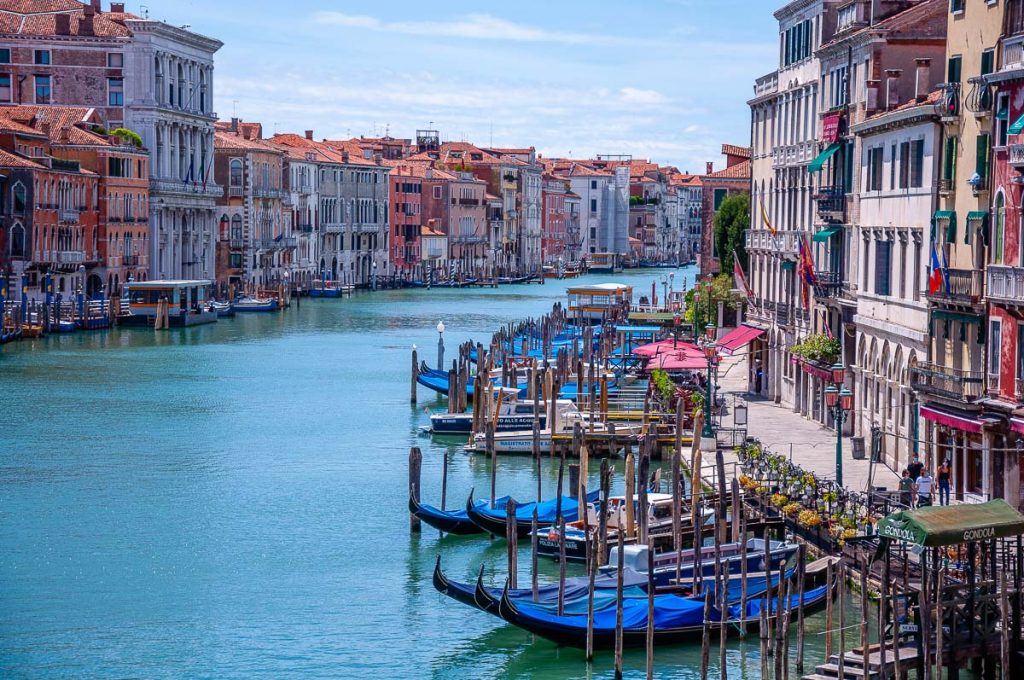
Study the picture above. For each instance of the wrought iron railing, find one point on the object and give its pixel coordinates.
(965, 286)
(951, 383)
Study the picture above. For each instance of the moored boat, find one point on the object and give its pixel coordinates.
(223, 309)
(494, 520)
(249, 304)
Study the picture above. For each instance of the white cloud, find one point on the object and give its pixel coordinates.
(475, 26)
(632, 95)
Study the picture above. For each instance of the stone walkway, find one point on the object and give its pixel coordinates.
(809, 445)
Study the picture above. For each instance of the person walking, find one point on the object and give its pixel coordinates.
(907, 489)
(943, 478)
(924, 489)
(915, 467)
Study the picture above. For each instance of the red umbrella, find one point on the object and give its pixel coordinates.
(661, 346)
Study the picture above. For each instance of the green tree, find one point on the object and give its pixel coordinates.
(704, 311)
(731, 222)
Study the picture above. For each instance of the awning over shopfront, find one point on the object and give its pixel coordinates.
(943, 525)
(950, 419)
(788, 266)
(1017, 425)
(827, 233)
(818, 163)
(740, 337)
(981, 217)
(1017, 127)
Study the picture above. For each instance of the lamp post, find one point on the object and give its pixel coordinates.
(440, 345)
(840, 400)
(664, 291)
(710, 346)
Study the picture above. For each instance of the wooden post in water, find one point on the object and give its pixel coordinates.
(721, 592)
(677, 493)
(453, 391)
(743, 576)
(801, 570)
(494, 461)
(604, 397)
(602, 516)
(415, 464)
(722, 518)
(842, 618)
(591, 573)
(630, 492)
(511, 534)
(645, 463)
(444, 478)
(533, 556)
(705, 642)
(618, 606)
(735, 510)
(768, 588)
(697, 579)
(864, 606)
(415, 372)
(828, 612)
(650, 609)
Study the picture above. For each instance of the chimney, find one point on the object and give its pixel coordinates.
(63, 24)
(309, 135)
(871, 100)
(117, 7)
(344, 156)
(65, 135)
(710, 168)
(892, 84)
(86, 25)
(924, 76)
(378, 158)
(96, 5)
(44, 127)
(234, 125)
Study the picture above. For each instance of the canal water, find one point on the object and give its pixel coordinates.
(229, 501)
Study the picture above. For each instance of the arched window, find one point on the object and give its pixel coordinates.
(202, 90)
(17, 240)
(181, 86)
(1000, 229)
(236, 227)
(19, 198)
(236, 172)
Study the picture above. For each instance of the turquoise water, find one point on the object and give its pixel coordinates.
(229, 501)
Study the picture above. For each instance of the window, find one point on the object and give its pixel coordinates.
(236, 228)
(19, 198)
(883, 267)
(5, 87)
(949, 159)
(917, 163)
(115, 91)
(953, 69)
(1002, 122)
(892, 167)
(956, 6)
(875, 161)
(593, 184)
(593, 205)
(999, 230)
(115, 60)
(17, 241)
(42, 57)
(981, 165)
(5, 55)
(904, 165)
(994, 346)
(42, 89)
(235, 178)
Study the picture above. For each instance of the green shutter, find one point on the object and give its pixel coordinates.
(987, 60)
(981, 165)
(788, 266)
(949, 162)
(953, 71)
(848, 167)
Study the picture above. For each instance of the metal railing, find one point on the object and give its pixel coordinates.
(1016, 154)
(951, 383)
(949, 103)
(69, 215)
(979, 97)
(965, 285)
(830, 284)
(781, 242)
(831, 199)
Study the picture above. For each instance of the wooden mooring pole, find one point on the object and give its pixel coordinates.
(415, 465)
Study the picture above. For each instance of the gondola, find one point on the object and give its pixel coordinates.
(448, 521)
(676, 618)
(438, 381)
(493, 520)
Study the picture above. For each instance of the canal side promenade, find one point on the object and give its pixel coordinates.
(811, 446)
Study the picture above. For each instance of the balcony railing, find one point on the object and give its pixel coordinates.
(966, 286)
(830, 284)
(69, 215)
(831, 200)
(235, 192)
(1005, 284)
(131, 260)
(950, 383)
(949, 103)
(236, 244)
(266, 192)
(1016, 154)
(332, 228)
(781, 242)
(979, 96)
(68, 256)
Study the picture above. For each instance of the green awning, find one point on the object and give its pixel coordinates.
(1017, 127)
(827, 233)
(951, 227)
(980, 216)
(818, 163)
(942, 525)
(943, 315)
(788, 266)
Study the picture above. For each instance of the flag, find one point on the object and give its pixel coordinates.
(741, 280)
(767, 222)
(935, 277)
(806, 264)
(191, 167)
(825, 326)
(945, 272)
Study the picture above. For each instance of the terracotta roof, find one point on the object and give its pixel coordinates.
(931, 100)
(356, 153)
(236, 142)
(12, 160)
(56, 116)
(12, 126)
(492, 197)
(738, 171)
(39, 18)
(427, 231)
(733, 150)
(297, 146)
(925, 19)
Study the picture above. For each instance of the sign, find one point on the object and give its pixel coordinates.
(830, 128)
(908, 628)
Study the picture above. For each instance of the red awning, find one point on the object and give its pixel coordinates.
(738, 338)
(654, 348)
(957, 422)
(677, 361)
(1017, 425)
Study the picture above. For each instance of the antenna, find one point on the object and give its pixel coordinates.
(234, 108)
(145, 11)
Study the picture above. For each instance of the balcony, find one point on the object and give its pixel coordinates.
(266, 192)
(131, 260)
(466, 239)
(979, 96)
(235, 192)
(305, 228)
(949, 383)
(68, 256)
(236, 244)
(1016, 155)
(781, 242)
(1005, 285)
(949, 104)
(831, 200)
(966, 287)
(946, 185)
(69, 215)
(830, 284)
(767, 84)
(332, 228)
(794, 154)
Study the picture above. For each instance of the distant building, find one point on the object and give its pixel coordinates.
(715, 187)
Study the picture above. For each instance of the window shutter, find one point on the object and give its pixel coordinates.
(981, 166)
(953, 72)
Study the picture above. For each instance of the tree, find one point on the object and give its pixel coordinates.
(705, 311)
(731, 222)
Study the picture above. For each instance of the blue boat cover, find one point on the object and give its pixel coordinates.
(545, 509)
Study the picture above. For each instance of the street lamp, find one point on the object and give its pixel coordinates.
(664, 291)
(840, 400)
(708, 442)
(440, 345)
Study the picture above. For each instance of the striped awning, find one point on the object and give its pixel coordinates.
(950, 419)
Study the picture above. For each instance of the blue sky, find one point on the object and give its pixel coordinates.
(660, 79)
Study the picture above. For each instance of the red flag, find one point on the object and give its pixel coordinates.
(741, 279)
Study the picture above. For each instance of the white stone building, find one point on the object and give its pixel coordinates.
(169, 102)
